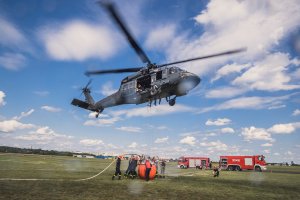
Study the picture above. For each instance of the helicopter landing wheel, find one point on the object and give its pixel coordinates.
(172, 102)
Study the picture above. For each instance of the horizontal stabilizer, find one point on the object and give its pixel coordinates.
(81, 104)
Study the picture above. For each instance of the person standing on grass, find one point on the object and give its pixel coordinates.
(216, 172)
(162, 168)
(118, 166)
(148, 168)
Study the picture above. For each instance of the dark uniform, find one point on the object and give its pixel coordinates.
(118, 171)
(216, 172)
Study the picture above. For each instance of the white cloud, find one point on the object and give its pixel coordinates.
(229, 69)
(267, 145)
(92, 115)
(295, 113)
(153, 111)
(101, 122)
(130, 129)
(276, 154)
(227, 130)
(214, 146)
(190, 140)
(284, 128)
(268, 74)
(133, 145)
(161, 140)
(2, 96)
(247, 103)
(107, 89)
(218, 122)
(225, 92)
(91, 142)
(79, 40)
(254, 133)
(160, 37)
(10, 34)
(51, 109)
(289, 153)
(43, 134)
(24, 114)
(12, 61)
(13, 125)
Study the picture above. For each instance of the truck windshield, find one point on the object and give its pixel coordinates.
(261, 158)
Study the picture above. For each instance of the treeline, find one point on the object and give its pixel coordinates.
(6, 149)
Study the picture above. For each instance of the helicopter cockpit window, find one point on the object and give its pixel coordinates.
(172, 70)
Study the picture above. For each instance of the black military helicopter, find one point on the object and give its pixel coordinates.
(148, 84)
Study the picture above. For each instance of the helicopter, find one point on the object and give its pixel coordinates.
(150, 83)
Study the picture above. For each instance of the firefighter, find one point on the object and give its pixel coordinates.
(148, 168)
(118, 171)
(216, 172)
(162, 168)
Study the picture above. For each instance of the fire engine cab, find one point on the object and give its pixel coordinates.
(197, 162)
(238, 163)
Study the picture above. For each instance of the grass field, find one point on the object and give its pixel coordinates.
(58, 176)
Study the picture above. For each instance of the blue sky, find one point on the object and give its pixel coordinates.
(247, 103)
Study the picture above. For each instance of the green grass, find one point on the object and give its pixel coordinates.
(61, 173)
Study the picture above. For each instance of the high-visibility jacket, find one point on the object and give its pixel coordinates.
(148, 164)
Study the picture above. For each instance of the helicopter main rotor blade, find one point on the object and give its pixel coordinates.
(110, 71)
(204, 57)
(109, 6)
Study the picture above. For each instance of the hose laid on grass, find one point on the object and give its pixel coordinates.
(84, 179)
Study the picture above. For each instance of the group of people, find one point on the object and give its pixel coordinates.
(136, 160)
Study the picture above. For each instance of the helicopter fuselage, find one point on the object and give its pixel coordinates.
(150, 86)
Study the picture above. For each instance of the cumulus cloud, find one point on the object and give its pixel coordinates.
(267, 145)
(284, 128)
(190, 140)
(229, 69)
(215, 146)
(253, 133)
(91, 142)
(51, 109)
(79, 40)
(161, 140)
(218, 122)
(130, 129)
(133, 145)
(227, 130)
(2, 96)
(43, 134)
(295, 113)
(8, 126)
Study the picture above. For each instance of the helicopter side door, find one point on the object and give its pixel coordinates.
(128, 91)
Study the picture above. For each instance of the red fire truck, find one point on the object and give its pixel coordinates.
(197, 162)
(238, 163)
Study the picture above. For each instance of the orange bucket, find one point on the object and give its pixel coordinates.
(142, 171)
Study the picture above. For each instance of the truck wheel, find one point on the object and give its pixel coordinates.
(230, 168)
(257, 169)
(181, 167)
(238, 168)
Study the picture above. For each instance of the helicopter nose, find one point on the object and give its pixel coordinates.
(188, 82)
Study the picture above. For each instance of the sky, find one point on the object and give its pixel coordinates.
(246, 104)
